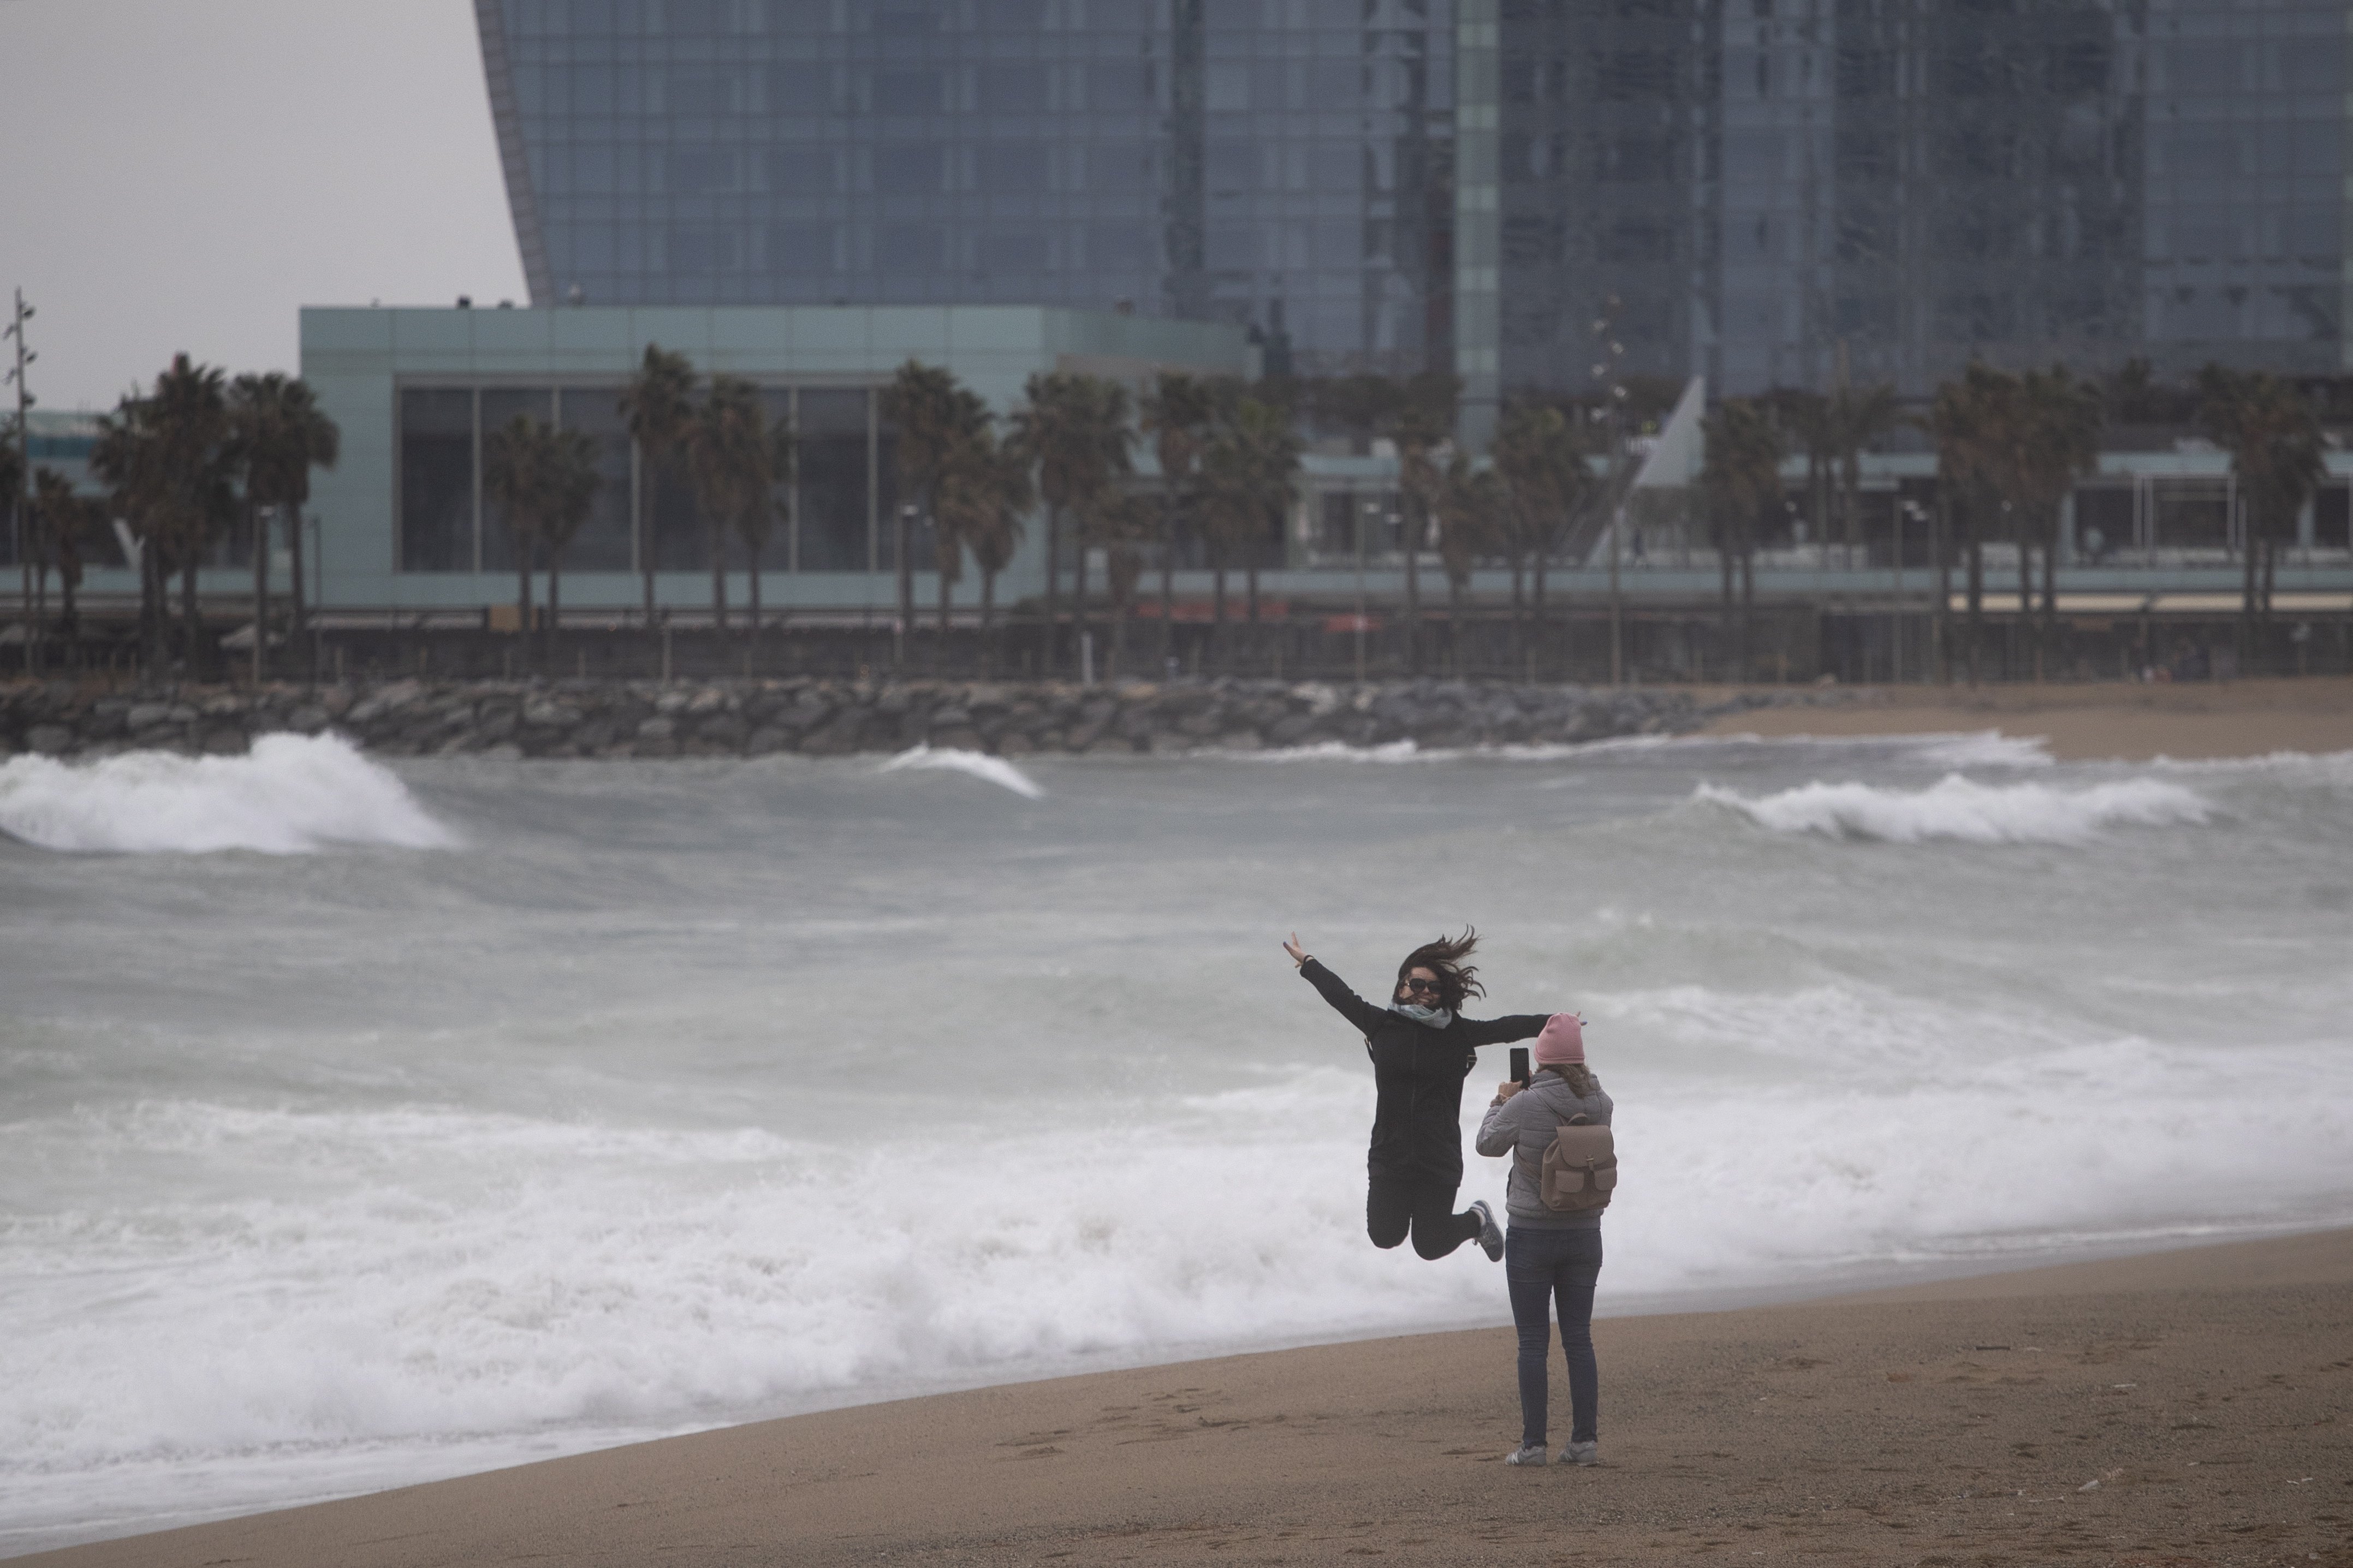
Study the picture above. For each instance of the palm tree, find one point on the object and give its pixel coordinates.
(658, 406)
(2277, 458)
(544, 480)
(1270, 448)
(1741, 479)
(1471, 508)
(167, 457)
(279, 434)
(930, 411)
(1971, 420)
(731, 459)
(1176, 414)
(65, 521)
(1543, 467)
(994, 486)
(2057, 439)
(1125, 523)
(1072, 430)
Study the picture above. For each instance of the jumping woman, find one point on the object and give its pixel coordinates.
(1422, 1048)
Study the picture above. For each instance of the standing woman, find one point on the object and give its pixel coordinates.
(1422, 1048)
(1552, 1255)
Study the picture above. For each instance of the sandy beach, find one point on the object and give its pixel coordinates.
(2090, 722)
(2179, 1409)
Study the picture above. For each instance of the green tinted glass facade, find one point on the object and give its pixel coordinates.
(1285, 164)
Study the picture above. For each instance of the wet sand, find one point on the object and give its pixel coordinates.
(2091, 721)
(2179, 1409)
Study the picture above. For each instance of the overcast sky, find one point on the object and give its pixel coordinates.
(184, 175)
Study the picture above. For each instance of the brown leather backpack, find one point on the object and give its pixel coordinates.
(1580, 1166)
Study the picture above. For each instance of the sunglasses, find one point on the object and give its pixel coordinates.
(1419, 986)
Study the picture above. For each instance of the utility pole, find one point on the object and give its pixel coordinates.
(22, 499)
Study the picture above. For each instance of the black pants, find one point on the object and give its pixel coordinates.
(1399, 1201)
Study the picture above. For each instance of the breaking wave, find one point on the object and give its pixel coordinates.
(289, 796)
(979, 764)
(1962, 809)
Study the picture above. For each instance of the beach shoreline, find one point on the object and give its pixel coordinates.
(2093, 722)
(2182, 1407)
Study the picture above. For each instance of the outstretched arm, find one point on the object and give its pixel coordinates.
(1345, 1002)
(1513, 1026)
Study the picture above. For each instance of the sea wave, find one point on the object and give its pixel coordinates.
(978, 764)
(1962, 809)
(289, 796)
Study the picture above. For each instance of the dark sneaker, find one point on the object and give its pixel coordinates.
(1491, 1234)
(1530, 1454)
(1581, 1454)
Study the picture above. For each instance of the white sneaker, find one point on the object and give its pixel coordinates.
(1528, 1454)
(1491, 1234)
(1581, 1454)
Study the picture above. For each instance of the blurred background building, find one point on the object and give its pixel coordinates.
(1763, 187)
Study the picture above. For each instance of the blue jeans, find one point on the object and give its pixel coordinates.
(1541, 1266)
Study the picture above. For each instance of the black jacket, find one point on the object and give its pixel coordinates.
(1419, 1072)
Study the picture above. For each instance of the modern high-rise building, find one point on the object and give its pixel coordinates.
(1768, 189)
(1286, 165)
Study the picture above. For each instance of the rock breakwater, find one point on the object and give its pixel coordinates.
(830, 718)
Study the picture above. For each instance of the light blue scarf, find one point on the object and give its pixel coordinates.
(1428, 1018)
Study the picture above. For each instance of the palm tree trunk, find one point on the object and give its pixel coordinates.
(752, 594)
(2247, 604)
(523, 602)
(1412, 601)
(1977, 604)
(1536, 606)
(1250, 591)
(1051, 661)
(552, 642)
(257, 518)
(988, 623)
(639, 475)
(1079, 596)
(192, 623)
(2026, 596)
(151, 609)
(1725, 556)
(298, 609)
(947, 589)
(719, 579)
(1519, 612)
(1167, 575)
(1454, 625)
(1119, 639)
(1747, 606)
(1218, 612)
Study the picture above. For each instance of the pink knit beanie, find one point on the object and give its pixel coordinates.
(1563, 1040)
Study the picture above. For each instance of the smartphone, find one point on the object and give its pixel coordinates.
(1520, 1065)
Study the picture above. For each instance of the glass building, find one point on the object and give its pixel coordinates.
(1766, 186)
(1285, 164)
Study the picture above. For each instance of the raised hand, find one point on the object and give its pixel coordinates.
(1298, 953)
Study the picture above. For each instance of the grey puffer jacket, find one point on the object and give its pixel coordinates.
(1523, 1127)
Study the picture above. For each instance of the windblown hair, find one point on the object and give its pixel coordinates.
(1443, 957)
(1582, 1083)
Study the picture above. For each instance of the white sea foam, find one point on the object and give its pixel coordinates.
(290, 794)
(979, 764)
(1961, 809)
(421, 1278)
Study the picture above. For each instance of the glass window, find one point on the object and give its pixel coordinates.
(500, 406)
(910, 168)
(802, 247)
(603, 542)
(907, 247)
(804, 171)
(1012, 167)
(906, 92)
(437, 481)
(833, 481)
